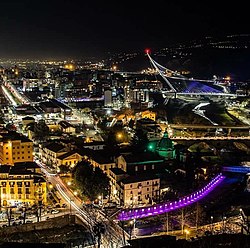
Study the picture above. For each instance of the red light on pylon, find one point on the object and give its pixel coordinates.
(147, 51)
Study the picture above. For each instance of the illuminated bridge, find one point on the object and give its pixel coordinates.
(137, 213)
(177, 84)
(237, 169)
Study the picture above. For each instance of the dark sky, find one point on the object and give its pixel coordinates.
(64, 29)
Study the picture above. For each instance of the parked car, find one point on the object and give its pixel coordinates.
(54, 211)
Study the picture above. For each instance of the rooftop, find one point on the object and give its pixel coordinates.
(139, 178)
(67, 154)
(55, 147)
(146, 157)
(65, 124)
(118, 171)
(12, 135)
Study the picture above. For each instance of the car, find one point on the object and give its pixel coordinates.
(54, 211)
(29, 221)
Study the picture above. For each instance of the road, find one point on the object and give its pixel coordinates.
(197, 110)
(113, 236)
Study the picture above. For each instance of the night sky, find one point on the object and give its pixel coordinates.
(80, 29)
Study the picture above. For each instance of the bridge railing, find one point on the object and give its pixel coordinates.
(157, 209)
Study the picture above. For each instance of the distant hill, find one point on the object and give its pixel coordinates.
(221, 56)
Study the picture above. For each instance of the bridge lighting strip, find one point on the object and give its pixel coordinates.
(237, 169)
(144, 212)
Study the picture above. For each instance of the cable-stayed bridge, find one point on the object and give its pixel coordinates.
(178, 84)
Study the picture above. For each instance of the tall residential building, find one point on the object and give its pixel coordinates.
(139, 190)
(15, 148)
(107, 97)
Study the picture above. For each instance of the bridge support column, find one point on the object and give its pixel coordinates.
(229, 132)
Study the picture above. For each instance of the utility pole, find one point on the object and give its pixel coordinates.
(167, 223)
(9, 214)
(0, 198)
(182, 220)
(123, 233)
(197, 215)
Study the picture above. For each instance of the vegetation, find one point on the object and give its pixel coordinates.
(91, 181)
(41, 130)
(140, 140)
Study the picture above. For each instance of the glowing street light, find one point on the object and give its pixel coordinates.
(132, 224)
(100, 200)
(186, 232)
(119, 135)
(212, 218)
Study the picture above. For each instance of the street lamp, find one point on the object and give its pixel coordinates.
(115, 194)
(70, 200)
(240, 209)
(50, 186)
(100, 198)
(186, 232)
(212, 224)
(132, 225)
(224, 224)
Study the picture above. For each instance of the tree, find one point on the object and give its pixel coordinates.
(140, 140)
(41, 130)
(91, 181)
(64, 169)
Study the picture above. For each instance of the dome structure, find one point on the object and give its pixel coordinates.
(165, 147)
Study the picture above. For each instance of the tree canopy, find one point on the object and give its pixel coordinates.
(140, 140)
(41, 130)
(92, 181)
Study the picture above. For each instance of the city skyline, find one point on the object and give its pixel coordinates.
(59, 29)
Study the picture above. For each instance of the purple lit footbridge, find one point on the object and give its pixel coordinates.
(179, 85)
(157, 209)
